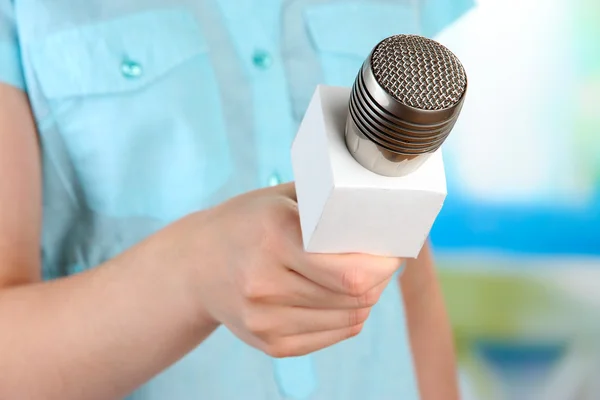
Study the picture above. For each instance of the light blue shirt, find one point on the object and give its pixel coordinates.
(150, 109)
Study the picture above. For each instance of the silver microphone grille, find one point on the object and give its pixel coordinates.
(419, 72)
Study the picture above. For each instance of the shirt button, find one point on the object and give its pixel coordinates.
(262, 59)
(131, 69)
(274, 180)
(75, 269)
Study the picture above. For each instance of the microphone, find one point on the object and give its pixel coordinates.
(404, 103)
(367, 159)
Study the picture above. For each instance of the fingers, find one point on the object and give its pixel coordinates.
(306, 320)
(301, 292)
(288, 288)
(300, 345)
(269, 322)
(349, 274)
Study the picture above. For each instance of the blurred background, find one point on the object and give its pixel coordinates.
(518, 240)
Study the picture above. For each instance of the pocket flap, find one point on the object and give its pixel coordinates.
(116, 56)
(355, 28)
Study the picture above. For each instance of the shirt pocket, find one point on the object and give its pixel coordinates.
(344, 33)
(137, 106)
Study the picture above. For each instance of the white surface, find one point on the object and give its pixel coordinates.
(345, 208)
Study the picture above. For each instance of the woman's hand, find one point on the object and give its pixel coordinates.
(256, 279)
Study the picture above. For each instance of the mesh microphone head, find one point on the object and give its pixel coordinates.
(408, 95)
(419, 72)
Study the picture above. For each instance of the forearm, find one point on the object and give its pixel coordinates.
(99, 334)
(429, 329)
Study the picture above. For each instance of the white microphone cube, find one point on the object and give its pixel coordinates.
(346, 208)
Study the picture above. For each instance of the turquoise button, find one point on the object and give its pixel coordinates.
(131, 69)
(76, 269)
(262, 59)
(274, 180)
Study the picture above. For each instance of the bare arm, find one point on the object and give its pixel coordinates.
(143, 319)
(20, 192)
(429, 329)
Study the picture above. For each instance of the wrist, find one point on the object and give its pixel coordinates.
(182, 263)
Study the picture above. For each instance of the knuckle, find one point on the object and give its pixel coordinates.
(369, 299)
(352, 317)
(277, 219)
(252, 289)
(390, 265)
(291, 212)
(247, 318)
(270, 239)
(260, 330)
(265, 235)
(358, 316)
(355, 282)
(354, 330)
(259, 226)
(362, 315)
(284, 203)
(256, 324)
(285, 215)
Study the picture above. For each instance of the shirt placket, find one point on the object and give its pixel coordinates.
(260, 57)
(273, 126)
